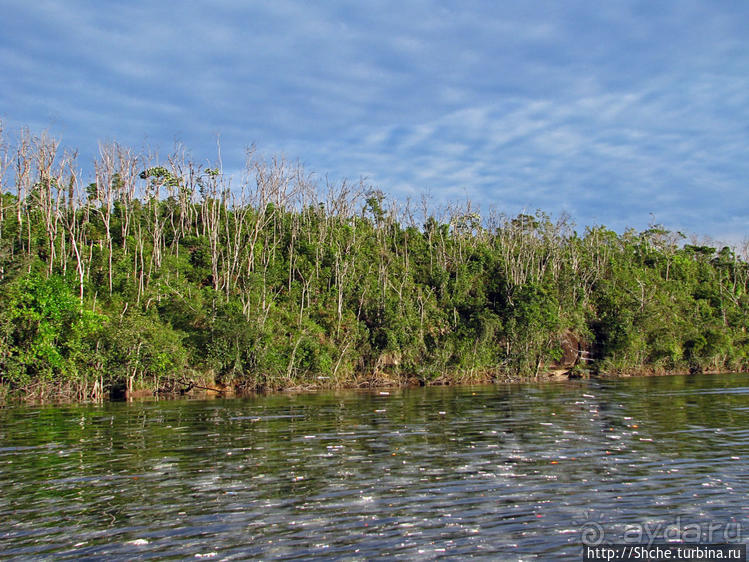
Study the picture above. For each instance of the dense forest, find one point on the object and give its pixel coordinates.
(142, 272)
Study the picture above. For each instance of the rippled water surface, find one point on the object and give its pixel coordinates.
(508, 472)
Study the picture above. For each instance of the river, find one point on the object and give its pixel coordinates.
(520, 471)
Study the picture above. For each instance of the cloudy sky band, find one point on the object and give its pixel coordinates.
(614, 112)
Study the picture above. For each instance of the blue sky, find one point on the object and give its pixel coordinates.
(616, 112)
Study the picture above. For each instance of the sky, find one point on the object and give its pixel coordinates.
(619, 113)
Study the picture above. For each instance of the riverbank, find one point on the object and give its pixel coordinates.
(207, 388)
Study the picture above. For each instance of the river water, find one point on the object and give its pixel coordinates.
(506, 472)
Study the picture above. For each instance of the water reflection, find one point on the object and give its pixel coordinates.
(510, 471)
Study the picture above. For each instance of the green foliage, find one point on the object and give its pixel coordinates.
(142, 278)
(46, 334)
(140, 349)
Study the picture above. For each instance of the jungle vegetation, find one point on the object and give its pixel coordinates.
(148, 272)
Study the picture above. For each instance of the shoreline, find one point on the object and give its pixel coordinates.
(201, 392)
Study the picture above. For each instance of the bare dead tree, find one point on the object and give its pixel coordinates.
(46, 190)
(71, 220)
